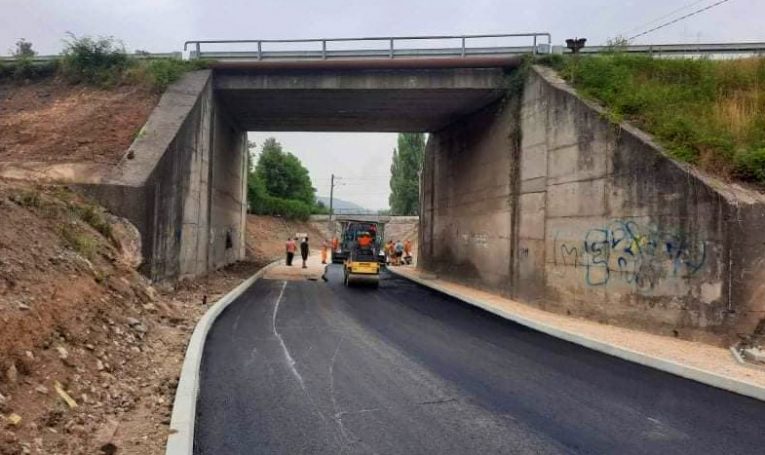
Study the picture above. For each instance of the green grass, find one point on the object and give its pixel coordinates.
(79, 241)
(95, 217)
(707, 112)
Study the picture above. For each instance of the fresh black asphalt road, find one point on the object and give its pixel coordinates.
(305, 367)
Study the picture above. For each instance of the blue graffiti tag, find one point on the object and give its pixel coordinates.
(639, 253)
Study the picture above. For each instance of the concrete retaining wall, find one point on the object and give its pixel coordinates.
(576, 215)
(182, 183)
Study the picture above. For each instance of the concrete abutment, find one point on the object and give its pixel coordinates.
(580, 216)
(183, 183)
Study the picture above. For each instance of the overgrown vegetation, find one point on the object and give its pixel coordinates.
(98, 61)
(279, 185)
(160, 73)
(707, 112)
(102, 62)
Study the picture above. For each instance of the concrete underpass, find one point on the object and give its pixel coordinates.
(529, 193)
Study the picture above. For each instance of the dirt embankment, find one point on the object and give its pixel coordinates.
(90, 352)
(266, 236)
(55, 122)
(402, 228)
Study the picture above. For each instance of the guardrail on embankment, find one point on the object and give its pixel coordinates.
(406, 47)
(698, 49)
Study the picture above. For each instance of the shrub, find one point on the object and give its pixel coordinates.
(160, 73)
(26, 69)
(99, 61)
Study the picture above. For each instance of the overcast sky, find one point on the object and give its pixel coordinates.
(163, 25)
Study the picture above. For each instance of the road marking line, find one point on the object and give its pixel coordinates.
(290, 360)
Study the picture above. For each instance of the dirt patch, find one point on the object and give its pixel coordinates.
(266, 236)
(52, 121)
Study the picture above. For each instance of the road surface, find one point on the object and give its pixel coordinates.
(310, 367)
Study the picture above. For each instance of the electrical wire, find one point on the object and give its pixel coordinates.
(674, 21)
(661, 18)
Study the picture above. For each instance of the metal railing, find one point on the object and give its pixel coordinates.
(539, 43)
(681, 49)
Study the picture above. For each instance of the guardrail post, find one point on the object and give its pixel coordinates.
(463, 46)
(260, 51)
(391, 48)
(199, 53)
(324, 49)
(534, 51)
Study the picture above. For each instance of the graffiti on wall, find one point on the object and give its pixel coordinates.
(641, 255)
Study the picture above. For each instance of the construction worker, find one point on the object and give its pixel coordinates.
(324, 248)
(304, 251)
(290, 247)
(335, 243)
(399, 251)
(364, 240)
(408, 251)
(389, 252)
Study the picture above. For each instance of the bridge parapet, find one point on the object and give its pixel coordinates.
(390, 47)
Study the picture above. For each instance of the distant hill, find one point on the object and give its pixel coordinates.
(340, 204)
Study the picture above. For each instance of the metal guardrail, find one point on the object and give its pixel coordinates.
(138, 56)
(680, 49)
(540, 42)
(390, 51)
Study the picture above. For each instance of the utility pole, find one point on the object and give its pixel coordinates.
(331, 197)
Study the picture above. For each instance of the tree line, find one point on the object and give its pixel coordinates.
(279, 184)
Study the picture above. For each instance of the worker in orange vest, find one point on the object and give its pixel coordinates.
(364, 240)
(335, 243)
(324, 248)
(389, 252)
(408, 251)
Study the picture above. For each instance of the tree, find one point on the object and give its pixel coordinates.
(279, 184)
(405, 174)
(24, 49)
(283, 175)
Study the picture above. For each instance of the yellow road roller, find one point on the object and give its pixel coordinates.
(362, 265)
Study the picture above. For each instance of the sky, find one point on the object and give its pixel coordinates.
(163, 26)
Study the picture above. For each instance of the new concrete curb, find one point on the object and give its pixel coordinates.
(685, 371)
(181, 438)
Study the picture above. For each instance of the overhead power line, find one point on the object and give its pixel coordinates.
(674, 21)
(661, 18)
